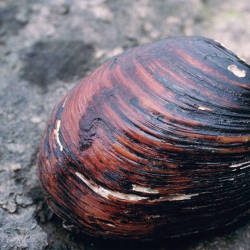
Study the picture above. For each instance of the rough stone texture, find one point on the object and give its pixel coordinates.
(45, 48)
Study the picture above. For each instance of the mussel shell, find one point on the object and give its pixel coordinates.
(154, 143)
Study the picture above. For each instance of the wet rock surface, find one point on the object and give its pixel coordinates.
(45, 48)
(45, 62)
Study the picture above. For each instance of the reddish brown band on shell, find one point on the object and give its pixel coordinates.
(154, 142)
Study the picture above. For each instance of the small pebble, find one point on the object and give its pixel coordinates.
(36, 119)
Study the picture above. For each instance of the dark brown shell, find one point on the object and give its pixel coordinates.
(155, 142)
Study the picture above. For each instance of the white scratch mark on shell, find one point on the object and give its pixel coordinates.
(242, 164)
(153, 216)
(177, 197)
(204, 108)
(111, 225)
(144, 189)
(65, 101)
(56, 133)
(106, 193)
(236, 71)
(182, 197)
(247, 166)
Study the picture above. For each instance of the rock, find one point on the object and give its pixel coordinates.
(46, 47)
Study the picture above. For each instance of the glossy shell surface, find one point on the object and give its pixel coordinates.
(154, 143)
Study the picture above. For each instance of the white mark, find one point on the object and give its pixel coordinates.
(247, 166)
(178, 197)
(102, 12)
(144, 189)
(65, 101)
(111, 225)
(153, 216)
(99, 53)
(240, 174)
(240, 165)
(204, 108)
(236, 71)
(56, 133)
(182, 197)
(109, 193)
(36, 119)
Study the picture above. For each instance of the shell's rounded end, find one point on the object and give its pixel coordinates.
(154, 143)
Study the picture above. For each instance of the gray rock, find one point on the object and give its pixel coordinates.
(45, 48)
(46, 62)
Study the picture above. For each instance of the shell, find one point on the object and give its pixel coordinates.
(153, 143)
